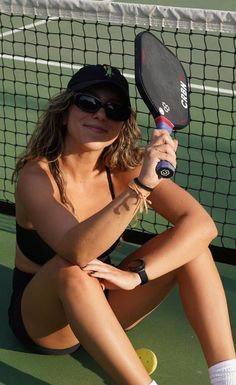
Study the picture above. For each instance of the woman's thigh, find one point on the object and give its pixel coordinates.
(130, 307)
(42, 311)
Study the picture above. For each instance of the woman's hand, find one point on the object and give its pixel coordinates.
(112, 277)
(161, 147)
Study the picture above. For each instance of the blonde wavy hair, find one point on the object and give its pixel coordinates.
(47, 142)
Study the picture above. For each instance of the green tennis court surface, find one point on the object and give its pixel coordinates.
(165, 331)
(37, 57)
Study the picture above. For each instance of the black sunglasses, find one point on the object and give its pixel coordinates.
(114, 111)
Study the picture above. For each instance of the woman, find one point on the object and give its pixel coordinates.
(80, 183)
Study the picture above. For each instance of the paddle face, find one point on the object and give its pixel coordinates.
(161, 80)
(162, 83)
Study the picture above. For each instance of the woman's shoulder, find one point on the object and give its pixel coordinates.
(32, 185)
(33, 177)
(34, 169)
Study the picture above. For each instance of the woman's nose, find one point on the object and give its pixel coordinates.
(100, 114)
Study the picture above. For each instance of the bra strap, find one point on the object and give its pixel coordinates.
(109, 179)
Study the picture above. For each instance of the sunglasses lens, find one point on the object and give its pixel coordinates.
(117, 112)
(87, 103)
(114, 111)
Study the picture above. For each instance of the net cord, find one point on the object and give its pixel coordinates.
(139, 14)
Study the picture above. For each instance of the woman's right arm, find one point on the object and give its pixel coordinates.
(58, 227)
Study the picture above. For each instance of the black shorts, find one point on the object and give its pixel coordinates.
(20, 281)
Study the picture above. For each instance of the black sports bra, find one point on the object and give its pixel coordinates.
(36, 250)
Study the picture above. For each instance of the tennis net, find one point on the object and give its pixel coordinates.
(42, 45)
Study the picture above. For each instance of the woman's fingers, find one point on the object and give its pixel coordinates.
(111, 276)
(161, 147)
(96, 265)
(160, 137)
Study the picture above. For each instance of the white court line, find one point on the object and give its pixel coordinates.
(222, 91)
(218, 90)
(24, 27)
(215, 90)
(39, 61)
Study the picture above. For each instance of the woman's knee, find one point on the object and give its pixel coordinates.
(64, 275)
(71, 277)
(199, 263)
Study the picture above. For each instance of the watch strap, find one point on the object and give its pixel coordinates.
(143, 276)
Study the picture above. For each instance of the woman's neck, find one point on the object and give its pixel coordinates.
(80, 166)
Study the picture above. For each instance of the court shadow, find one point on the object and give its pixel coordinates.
(13, 376)
(7, 339)
(7, 223)
(229, 284)
(8, 374)
(89, 363)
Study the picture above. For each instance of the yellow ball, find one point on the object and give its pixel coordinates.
(148, 359)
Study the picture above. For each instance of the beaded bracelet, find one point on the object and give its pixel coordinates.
(140, 184)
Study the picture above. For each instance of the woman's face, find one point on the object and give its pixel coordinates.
(93, 131)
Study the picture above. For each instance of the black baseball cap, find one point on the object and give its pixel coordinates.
(92, 75)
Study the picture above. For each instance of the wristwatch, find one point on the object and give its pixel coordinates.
(138, 266)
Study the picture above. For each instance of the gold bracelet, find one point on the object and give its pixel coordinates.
(142, 196)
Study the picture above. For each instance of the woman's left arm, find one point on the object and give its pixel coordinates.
(193, 230)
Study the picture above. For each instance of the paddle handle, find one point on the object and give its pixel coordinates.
(164, 169)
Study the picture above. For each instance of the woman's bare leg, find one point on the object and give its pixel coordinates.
(77, 299)
(203, 298)
(205, 304)
(61, 295)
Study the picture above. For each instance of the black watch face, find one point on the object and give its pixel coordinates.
(136, 265)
